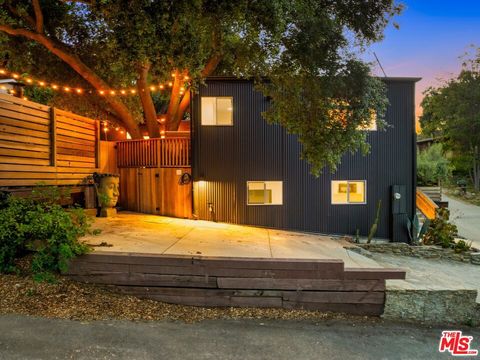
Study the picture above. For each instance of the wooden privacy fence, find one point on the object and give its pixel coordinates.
(168, 152)
(42, 144)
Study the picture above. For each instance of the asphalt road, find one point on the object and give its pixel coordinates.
(466, 217)
(24, 337)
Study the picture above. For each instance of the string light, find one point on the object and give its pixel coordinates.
(79, 91)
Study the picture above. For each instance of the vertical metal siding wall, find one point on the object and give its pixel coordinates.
(226, 157)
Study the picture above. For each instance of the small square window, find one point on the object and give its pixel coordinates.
(265, 192)
(349, 192)
(217, 111)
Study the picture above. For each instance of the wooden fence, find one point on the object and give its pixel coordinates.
(169, 152)
(41, 144)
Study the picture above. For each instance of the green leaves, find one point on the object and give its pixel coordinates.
(38, 224)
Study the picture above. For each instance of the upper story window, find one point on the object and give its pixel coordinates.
(265, 192)
(372, 125)
(349, 192)
(217, 111)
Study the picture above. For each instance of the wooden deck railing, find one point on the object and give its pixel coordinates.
(426, 205)
(168, 152)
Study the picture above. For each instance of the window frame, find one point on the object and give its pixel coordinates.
(216, 98)
(348, 192)
(264, 188)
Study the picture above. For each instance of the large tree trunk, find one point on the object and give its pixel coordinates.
(147, 102)
(476, 168)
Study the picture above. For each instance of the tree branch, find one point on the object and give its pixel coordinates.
(60, 50)
(38, 16)
(147, 102)
(211, 65)
(27, 18)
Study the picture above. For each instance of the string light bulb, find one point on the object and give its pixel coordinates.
(133, 91)
(2, 71)
(161, 86)
(54, 86)
(41, 83)
(29, 80)
(170, 83)
(79, 91)
(102, 92)
(123, 92)
(66, 88)
(15, 76)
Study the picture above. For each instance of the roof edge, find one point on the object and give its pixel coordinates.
(387, 79)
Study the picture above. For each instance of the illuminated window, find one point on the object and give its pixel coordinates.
(349, 192)
(217, 111)
(265, 192)
(372, 125)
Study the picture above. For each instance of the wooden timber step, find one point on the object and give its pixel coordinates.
(311, 284)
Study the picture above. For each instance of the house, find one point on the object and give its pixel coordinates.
(249, 172)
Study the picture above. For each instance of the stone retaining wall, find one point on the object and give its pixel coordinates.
(427, 252)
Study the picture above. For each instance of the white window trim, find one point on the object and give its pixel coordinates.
(264, 185)
(215, 97)
(348, 193)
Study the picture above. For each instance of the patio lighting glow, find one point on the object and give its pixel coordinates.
(170, 83)
(67, 89)
(101, 92)
(41, 83)
(123, 92)
(112, 92)
(54, 87)
(29, 80)
(2, 71)
(79, 91)
(15, 76)
(152, 88)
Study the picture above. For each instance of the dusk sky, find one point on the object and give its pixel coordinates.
(432, 37)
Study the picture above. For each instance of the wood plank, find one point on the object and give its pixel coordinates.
(75, 128)
(22, 102)
(76, 135)
(74, 140)
(66, 163)
(24, 124)
(64, 146)
(27, 168)
(71, 115)
(24, 153)
(301, 284)
(26, 161)
(22, 146)
(75, 152)
(24, 139)
(90, 160)
(21, 131)
(42, 114)
(39, 175)
(80, 124)
(343, 297)
(37, 182)
(22, 116)
(53, 136)
(374, 273)
(354, 309)
(139, 279)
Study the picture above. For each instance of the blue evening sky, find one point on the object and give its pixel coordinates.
(432, 37)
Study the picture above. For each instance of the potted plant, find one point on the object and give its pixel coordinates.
(107, 188)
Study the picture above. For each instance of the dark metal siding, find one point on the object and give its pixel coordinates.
(227, 157)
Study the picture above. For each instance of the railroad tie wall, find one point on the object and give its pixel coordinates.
(323, 285)
(41, 144)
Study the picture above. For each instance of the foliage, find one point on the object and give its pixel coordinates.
(415, 232)
(451, 113)
(38, 223)
(374, 227)
(432, 166)
(309, 51)
(441, 231)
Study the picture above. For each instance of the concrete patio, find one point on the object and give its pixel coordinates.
(140, 233)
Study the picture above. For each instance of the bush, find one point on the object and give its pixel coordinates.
(441, 231)
(38, 223)
(432, 166)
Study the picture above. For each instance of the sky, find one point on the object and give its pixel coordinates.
(432, 37)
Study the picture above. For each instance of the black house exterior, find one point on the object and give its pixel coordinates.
(246, 171)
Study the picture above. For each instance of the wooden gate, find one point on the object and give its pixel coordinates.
(150, 176)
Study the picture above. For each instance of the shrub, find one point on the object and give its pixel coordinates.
(441, 231)
(432, 166)
(38, 223)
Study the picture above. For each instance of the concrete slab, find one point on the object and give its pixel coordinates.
(141, 233)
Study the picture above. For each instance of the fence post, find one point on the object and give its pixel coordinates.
(53, 137)
(97, 144)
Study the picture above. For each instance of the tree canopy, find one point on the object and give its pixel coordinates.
(452, 112)
(305, 48)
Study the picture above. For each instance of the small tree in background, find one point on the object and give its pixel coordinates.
(452, 111)
(432, 166)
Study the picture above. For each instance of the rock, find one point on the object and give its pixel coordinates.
(475, 258)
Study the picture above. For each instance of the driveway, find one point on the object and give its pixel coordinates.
(37, 338)
(466, 217)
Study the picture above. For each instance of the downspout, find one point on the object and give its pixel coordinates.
(192, 153)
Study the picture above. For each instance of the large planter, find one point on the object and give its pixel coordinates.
(107, 186)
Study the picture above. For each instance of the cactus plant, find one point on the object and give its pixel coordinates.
(374, 227)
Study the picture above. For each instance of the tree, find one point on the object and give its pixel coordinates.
(301, 46)
(432, 166)
(452, 112)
